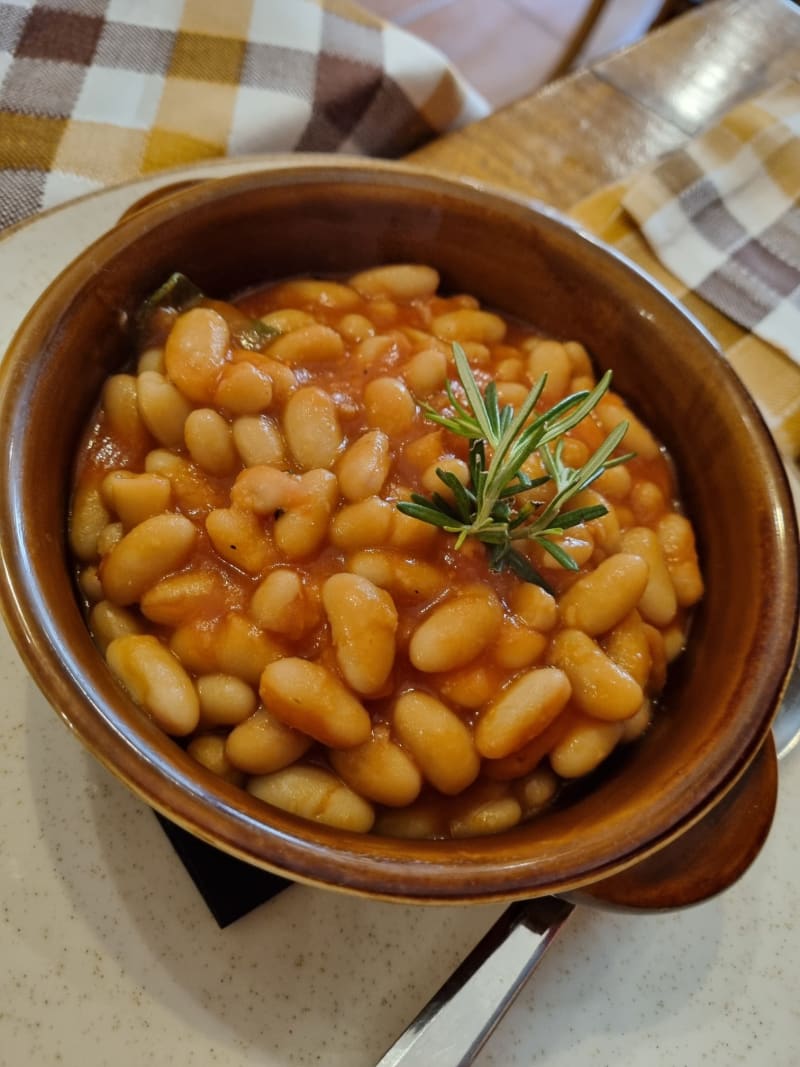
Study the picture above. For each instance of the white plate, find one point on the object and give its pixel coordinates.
(109, 954)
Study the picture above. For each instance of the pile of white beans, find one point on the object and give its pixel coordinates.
(255, 589)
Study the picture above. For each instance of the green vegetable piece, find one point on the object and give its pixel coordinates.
(178, 293)
(255, 336)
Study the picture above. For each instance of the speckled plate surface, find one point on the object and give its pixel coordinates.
(110, 954)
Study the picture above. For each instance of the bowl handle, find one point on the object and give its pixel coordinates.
(704, 860)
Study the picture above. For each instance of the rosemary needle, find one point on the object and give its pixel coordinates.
(490, 507)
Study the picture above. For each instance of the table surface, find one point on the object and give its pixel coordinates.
(109, 954)
(576, 135)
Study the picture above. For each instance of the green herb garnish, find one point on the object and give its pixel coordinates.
(179, 294)
(255, 335)
(489, 508)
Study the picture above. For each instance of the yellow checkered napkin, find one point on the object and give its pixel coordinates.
(723, 215)
(94, 92)
(771, 377)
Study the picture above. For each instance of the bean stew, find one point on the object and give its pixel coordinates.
(255, 587)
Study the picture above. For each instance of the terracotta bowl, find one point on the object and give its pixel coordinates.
(332, 216)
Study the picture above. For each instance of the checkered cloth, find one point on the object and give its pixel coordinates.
(94, 92)
(723, 215)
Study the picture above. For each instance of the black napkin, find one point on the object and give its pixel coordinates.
(230, 887)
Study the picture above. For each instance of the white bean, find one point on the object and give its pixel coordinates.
(311, 427)
(535, 606)
(225, 700)
(535, 790)
(258, 440)
(156, 680)
(363, 468)
(601, 599)
(363, 622)
(181, 597)
(89, 583)
(426, 372)
(361, 525)
(109, 621)
(322, 291)
(490, 809)
(151, 359)
(146, 554)
(284, 320)
(469, 324)
(240, 538)
(309, 698)
(121, 406)
(210, 443)
(109, 537)
(308, 345)
(677, 542)
(163, 408)
(389, 405)
(301, 530)
(355, 327)
(240, 647)
(244, 388)
(627, 645)
(314, 793)
(401, 577)
(196, 351)
(209, 751)
(379, 770)
(262, 744)
(585, 745)
(456, 631)
(398, 281)
(599, 686)
(282, 605)
(522, 711)
(439, 741)
(88, 518)
(136, 497)
(637, 437)
(550, 358)
(432, 483)
(658, 603)
(264, 490)
(517, 645)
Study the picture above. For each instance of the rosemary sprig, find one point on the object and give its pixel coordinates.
(501, 441)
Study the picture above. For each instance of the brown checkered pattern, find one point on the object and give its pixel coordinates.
(94, 92)
(723, 215)
(771, 378)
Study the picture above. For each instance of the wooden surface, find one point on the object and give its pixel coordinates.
(574, 144)
(576, 135)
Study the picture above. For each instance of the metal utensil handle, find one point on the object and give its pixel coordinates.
(453, 1027)
(786, 727)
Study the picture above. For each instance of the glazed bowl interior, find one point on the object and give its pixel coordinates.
(336, 217)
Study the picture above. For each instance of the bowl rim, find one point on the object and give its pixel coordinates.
(175, 794)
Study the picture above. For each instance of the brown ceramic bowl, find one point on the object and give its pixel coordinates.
(339, 216)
